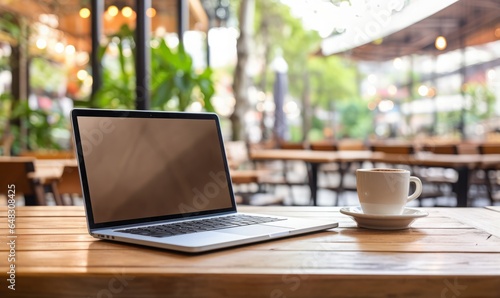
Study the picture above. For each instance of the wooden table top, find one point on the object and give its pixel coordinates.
(50, 169)
(452, 252)
(45, 169)
(421, 159)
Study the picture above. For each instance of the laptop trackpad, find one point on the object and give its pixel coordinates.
(254, 230)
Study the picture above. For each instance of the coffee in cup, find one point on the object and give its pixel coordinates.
(385, 191)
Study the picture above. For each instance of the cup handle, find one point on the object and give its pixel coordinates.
(418, 189)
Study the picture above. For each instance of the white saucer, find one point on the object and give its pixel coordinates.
(384, 222)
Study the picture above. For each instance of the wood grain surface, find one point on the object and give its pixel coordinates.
(454, 252)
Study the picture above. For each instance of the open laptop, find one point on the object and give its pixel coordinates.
(161, 179)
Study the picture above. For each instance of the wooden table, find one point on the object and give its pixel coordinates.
(50, 169)
(44, 168)
(313, 160)
(454, 252)
(462, 163)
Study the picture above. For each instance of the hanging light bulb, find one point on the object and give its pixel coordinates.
(84, 13)
(112, 11)
(151, 12)
(127, 12)
(441, 43)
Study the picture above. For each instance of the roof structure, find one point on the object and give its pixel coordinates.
(76, 29)
(413, 29)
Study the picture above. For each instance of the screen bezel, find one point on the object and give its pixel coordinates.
(76, 113)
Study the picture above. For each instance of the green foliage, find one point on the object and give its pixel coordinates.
(295, 133)
(46, 75)
(356, 120)
(175, 84)
(315, 135)
(5, 112)
(9, 25)
(482, 101)
(331, 80)
(41, 126)
(174, 77)
(118, 77)
(277, 29)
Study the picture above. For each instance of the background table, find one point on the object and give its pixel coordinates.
(462, 163)
(454, 249)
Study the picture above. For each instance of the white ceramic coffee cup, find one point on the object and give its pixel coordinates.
(385, 191)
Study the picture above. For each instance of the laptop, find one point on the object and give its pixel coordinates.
(161, 179)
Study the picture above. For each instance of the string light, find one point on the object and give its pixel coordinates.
(151, 12)
(127, 12)
(82, 74)
(497, 32)
(41, 43)
(441, 43)
(59, 47)
(423, 90)
(70, 50)
(112, 11)
(84, 13)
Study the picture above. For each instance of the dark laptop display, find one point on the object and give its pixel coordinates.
(138, 168)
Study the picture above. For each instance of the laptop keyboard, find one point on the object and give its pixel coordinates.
(200, 225)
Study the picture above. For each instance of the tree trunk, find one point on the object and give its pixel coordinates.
(241, 80)
(306, 107)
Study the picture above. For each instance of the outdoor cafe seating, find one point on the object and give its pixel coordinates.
(308, 98)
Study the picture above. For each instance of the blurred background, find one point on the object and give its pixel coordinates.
(275, 71)
(293, 70)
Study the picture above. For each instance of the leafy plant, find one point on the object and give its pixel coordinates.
(5, 112)
(356, 119)
(118, 77)
(173, 77)
(41, 125)
(482, 101)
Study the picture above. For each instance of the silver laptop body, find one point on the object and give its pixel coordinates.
(161, 179)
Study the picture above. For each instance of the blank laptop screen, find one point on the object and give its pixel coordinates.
(149, 167)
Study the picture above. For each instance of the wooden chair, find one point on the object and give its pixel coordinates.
(289, 169)
(491, 177)
(323, 146)
(331, 171)
(397, 149)
(393, 149)
(351, 145)
(489, 148)
(441, 148)
(237, 155)
(279, 172)
(340, 177)
(248, 174)
(68, 183)
(442, 179)
(292, 145)
(431, 185)
(17, 172)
